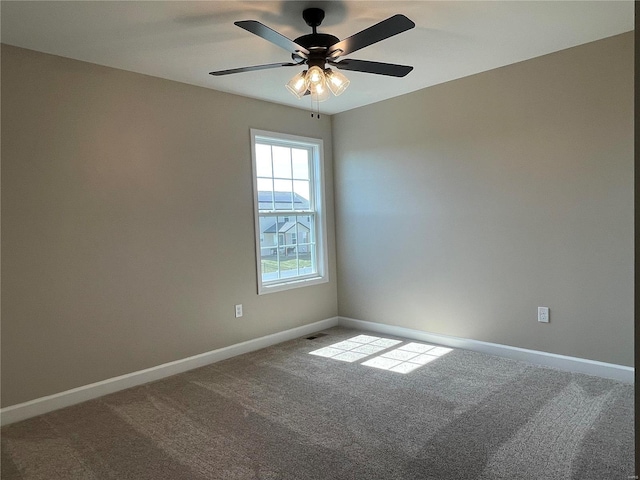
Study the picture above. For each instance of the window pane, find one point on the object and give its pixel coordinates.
(283, 194)
(312, 260)
(269, 248)
(265, 194)
(268, 265)
(300, 160)
(302, 195)
(302, 228)
(263, 161)
(286, 226)
(289, 262)
(281, 162)
(304, 248)
(304, 259)
(268, 233)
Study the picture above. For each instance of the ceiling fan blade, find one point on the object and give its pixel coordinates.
(379, 68)
(272, 36)
(380, 31)
(251, 69)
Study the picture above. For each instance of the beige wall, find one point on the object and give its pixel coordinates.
(462, 207)
(127, 229)
(127, 223)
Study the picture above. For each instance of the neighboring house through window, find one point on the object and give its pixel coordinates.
(289, 211)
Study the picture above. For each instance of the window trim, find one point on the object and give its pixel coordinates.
(316, 146)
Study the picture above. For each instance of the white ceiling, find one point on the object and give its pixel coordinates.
(184, 40)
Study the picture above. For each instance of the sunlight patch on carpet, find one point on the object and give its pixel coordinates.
(355, 348)
(403, 359)
(407, 358)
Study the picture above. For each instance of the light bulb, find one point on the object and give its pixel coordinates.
(320, 93)
(297, 85)
(336, 81)
(314, 78)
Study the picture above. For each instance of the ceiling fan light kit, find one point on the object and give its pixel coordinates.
(316, 50)
(336, 81)
(297, 85)
(314, 78)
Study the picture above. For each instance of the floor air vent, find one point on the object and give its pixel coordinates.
(317, 335)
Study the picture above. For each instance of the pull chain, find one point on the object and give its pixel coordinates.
(317, 114)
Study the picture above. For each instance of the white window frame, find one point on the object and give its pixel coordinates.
(316, 171)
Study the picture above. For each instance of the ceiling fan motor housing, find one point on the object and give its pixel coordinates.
(316, 43)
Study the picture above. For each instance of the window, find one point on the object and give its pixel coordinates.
(289, 211)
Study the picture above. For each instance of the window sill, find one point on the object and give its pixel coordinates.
(291, 284)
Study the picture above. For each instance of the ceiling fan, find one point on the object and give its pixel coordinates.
(316, 50)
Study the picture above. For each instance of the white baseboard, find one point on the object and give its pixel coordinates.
(562, 362)
(29, 409)
(32, 408)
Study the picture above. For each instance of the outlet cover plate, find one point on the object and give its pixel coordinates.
(543, 314)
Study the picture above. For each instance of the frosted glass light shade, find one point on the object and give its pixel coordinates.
(314, 78)
(297, 85)
(320, 93)
(336, 81)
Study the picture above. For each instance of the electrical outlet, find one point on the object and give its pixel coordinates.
(543, 314)
(238, 311)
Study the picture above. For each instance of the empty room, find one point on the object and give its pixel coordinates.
(317, 240)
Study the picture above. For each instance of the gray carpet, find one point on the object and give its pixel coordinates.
(281, 413)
